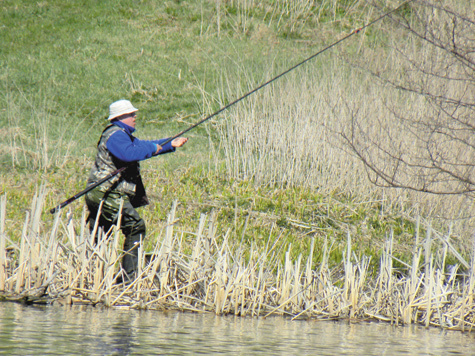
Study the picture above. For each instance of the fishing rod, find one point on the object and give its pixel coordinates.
(88, 189)
(116, 172)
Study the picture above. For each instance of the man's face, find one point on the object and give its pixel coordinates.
(130, 120)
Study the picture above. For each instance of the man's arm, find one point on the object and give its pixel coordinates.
(127, 150)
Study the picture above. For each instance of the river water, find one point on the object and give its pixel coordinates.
(75, 330)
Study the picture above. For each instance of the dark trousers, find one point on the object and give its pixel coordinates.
(131, 224)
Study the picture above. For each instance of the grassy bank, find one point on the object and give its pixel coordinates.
(63, 63)
(262, 190)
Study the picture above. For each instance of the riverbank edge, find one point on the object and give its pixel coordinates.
(220, 276)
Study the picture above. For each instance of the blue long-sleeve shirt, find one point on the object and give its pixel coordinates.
(128, 148)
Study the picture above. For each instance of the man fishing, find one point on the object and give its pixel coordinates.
(118, 148)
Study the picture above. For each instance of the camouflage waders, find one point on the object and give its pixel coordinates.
(131, 224)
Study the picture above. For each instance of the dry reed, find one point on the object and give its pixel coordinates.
(213, 274)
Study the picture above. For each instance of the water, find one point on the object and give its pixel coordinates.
(56, 330)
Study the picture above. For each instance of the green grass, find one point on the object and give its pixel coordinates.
(63, 62)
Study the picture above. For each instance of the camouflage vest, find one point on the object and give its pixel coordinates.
(128, 182)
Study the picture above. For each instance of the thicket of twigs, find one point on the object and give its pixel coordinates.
(213, 274)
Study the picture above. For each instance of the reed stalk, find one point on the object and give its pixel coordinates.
(3, 252)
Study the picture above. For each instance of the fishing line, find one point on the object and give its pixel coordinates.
(109, 176)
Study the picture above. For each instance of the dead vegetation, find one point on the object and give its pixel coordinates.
(210, 273)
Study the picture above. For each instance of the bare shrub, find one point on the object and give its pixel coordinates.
(424, 139)
(394, 111)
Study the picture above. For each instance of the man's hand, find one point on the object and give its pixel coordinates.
(179, 141)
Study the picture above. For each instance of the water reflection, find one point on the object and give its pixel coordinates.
(55, 330)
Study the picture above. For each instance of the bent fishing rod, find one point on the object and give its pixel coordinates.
(116, 172)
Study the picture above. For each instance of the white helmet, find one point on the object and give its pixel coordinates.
(120, 108)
